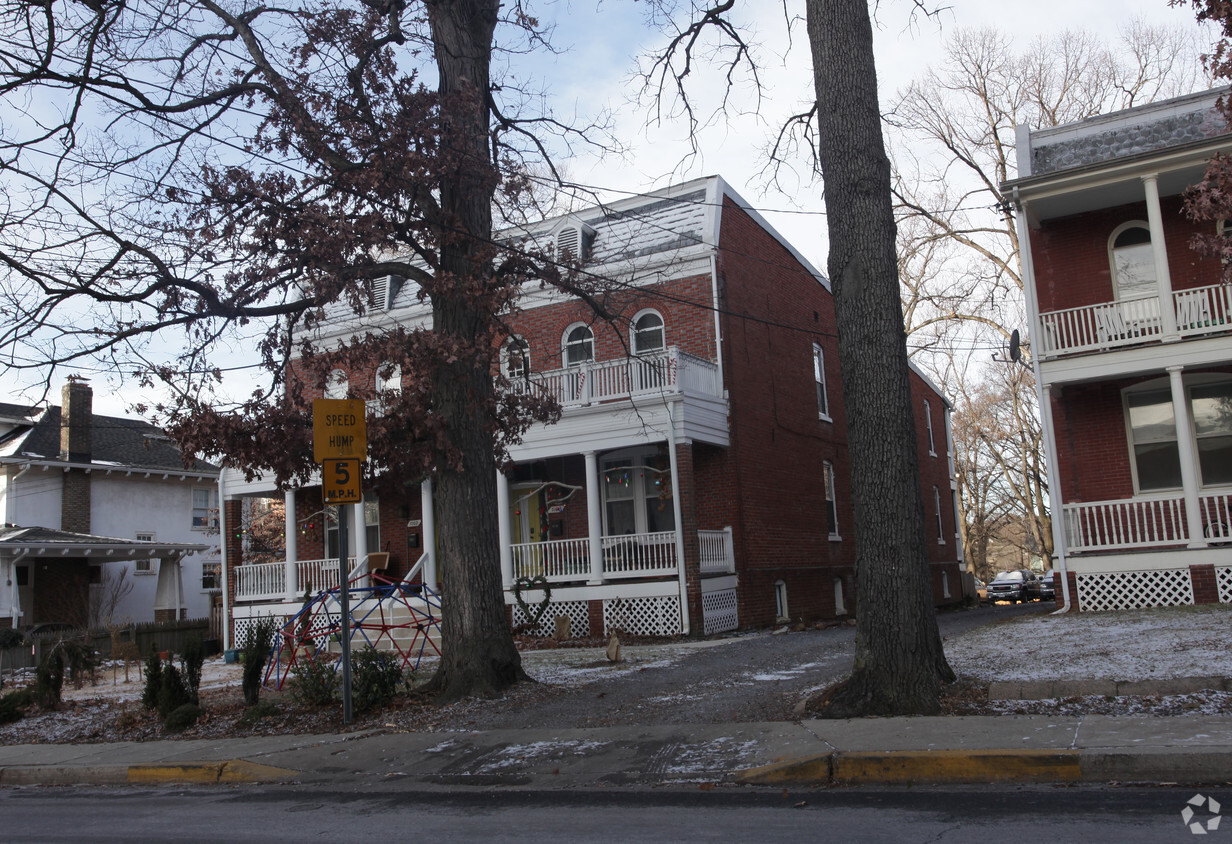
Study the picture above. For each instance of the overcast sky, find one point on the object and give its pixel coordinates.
(602, 41)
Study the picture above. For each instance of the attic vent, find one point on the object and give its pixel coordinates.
(384, 292)
(573, 242)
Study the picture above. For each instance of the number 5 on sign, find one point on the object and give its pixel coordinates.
(341, 481)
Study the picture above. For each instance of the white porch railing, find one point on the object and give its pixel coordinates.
(1104, 326)
(671, 371)
(1216, 510)
(1129, 523)
(558, 560)
(639, 554)
(1203, 310)
(717, 551)
(268, 581)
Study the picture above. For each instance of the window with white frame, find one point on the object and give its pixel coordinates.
(211, 575)
(780, 600)
(145, 565)
(1133, 261)
(336, 385)
(819, 378)
(372, 528)
(1154, 447)
(648, 333)
(1211, 405)
(937, 510)
(637, 493)
(827, 471)
(388, 378)
(928, 423)
(204, 508)
(579, 345)
(515, 359)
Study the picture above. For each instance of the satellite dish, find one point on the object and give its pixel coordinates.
(1015, 346)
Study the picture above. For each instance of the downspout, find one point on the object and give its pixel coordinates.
(1043, 396)
(222, 547)
(684, 585)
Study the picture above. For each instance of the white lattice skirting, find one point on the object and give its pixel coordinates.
(643, 616)
(243, 625)
(720, 611)
(1223, 579)
(579, 618)
(1132, 590)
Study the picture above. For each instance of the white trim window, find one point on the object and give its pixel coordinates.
(515, 359)
(336, 385)
(1154, 455)
(578, 345)
(637, 493)
(937, 509)
(648, 333)
(819, 379)
(145, 565)
(204, 508)
(1211, 406)
(388, 378)
(928, 423)
(827, 472)
(1132, 256)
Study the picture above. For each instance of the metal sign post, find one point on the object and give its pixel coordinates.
(340, 444)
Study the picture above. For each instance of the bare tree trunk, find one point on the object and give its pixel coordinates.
(899, 664)
(479, 656)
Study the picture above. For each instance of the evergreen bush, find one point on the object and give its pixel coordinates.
(153, 679)
(182, 717)
(256, 651)
(314, 681)
(375, 679)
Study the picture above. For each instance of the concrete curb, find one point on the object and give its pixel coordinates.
(228, 771)
(1046, 689)
(946, 767)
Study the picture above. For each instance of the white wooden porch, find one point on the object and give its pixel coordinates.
(1145, 522)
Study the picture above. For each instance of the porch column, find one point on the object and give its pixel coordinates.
(1155, 221)
(594, 517)
(1056, 502)
(292, 547)
(169, 592)
(360, 531)
(1186, 449)
(428, 516)
(504, 529)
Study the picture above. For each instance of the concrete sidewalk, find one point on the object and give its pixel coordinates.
(973, 749)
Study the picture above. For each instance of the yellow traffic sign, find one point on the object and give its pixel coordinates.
(340, 480)
(339, 430)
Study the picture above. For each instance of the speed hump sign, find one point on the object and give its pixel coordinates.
(340, 481)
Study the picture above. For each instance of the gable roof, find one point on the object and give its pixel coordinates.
(116, 441)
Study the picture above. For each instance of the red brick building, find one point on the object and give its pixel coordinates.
(1130, 334)
(698, 478)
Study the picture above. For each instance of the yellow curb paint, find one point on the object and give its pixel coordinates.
(812, 769)
(956, 766)
(190, 772)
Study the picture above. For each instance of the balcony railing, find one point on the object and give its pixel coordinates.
(1112, 325)
(671, 371)
(718, 552)
(268, 581)
(1154, 522)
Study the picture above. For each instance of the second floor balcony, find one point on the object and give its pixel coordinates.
(592, 382)
(1197, 312)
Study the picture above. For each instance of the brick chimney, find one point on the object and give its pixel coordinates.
(76, 446)
(76, 418)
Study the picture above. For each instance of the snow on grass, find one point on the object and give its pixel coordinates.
(1154, 644)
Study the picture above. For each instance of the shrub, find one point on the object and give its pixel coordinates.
(264, 709)
(12, 704)
(49, 679)
(375, 679)
(172, 693)
(190, 664)
(256, 651)
(182, 717)
(314, 682)
(153, 679)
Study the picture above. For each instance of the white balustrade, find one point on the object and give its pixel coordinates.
(558, 560)
(639, 555)
(1107, 325)
(1216, 510)
(671, 371)
(260, 581)
(1203, 310)
(718, 554)
(1129, 523)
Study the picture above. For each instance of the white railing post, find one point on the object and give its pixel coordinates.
(594, 518)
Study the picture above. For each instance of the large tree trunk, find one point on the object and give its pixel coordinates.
(899, 664)
(479, 656)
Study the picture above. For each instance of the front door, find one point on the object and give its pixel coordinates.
(525, 506)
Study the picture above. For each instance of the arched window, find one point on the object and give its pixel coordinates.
(648, 333)
(336, 385)
(579, 345)
(389, 378)
(1133, 261)
(827, 473)
(515, 359)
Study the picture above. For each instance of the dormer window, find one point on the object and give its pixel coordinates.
(383, 292)
(1133, 261)
(573, 240)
